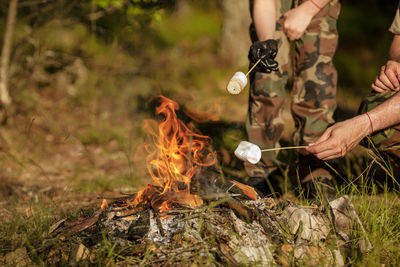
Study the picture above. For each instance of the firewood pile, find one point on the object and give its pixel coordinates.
(230, 228)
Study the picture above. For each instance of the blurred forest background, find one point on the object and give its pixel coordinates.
(81, 78)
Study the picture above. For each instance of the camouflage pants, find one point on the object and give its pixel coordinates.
(386, 141)
(309, 61)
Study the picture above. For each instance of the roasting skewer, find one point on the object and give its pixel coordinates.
(250, 152)
(282, 148)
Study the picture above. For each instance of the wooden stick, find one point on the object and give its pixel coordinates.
(258, 61)
(282, 148)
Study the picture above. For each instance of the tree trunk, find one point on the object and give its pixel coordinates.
(235, 41)
(181, 7)
(5, 98)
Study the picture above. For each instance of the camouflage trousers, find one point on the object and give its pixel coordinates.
(308, 61)
(387, 141)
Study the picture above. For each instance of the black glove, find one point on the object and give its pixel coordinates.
(266, 50)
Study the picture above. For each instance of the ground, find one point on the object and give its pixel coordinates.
(76, 134)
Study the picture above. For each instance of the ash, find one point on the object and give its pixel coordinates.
(276, 232)
(260, 232)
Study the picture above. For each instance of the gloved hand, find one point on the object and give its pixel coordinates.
(266, 50)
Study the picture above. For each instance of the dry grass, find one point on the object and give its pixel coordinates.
(70, 143)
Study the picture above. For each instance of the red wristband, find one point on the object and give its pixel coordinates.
(370, 122)
(315, 4)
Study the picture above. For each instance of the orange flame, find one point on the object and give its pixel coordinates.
(104, 204)
(165, 206)
(179, 153)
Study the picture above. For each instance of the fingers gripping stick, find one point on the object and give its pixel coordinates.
(250, 152)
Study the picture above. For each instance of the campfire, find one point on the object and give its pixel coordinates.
(190, 199)
(177, 153)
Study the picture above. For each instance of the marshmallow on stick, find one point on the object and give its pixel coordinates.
(239, 81)
(250, 152)
(247, 151)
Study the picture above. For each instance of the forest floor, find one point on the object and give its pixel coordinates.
(77, 136)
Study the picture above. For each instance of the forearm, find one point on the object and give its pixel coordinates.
(383, 116)
(264, 16)
(386, 114)
(394, 51)
(343, 136)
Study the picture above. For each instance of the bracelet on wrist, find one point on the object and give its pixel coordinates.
(315, 4)
(370, 122)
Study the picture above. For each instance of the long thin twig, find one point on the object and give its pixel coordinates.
(282, 148)
(390, 148)
(258, 61)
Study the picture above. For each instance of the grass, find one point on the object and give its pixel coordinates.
(64, 147)
(379, 212)
(125, 183)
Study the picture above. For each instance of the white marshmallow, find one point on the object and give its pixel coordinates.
(247, 151)
(237, 83)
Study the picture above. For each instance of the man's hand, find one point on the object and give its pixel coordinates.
(298, 19)
(388, 79)
(266, 51)
(340, 138)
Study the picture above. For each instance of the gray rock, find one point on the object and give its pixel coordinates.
(308, 224)
(347, 222)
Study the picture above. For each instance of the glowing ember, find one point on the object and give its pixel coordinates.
(165, 206)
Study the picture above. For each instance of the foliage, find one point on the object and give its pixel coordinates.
(83, 75)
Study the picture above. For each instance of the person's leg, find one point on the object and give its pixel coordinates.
(315, 77)
(264, 124)
(387, 141)
(314, 90)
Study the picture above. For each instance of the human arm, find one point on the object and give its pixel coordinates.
(264, 16)
(388, 79)
(265, 48)
(298, 19)
(343, 136)
(394, 51)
